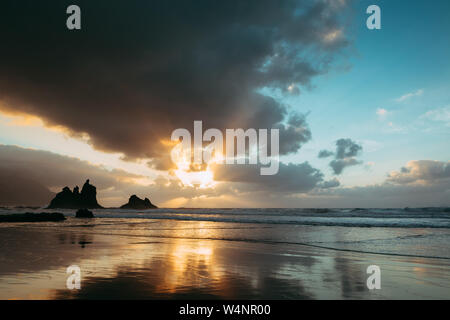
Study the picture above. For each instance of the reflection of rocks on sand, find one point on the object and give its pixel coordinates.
(67, 199)
(32, 217)
(136, 203)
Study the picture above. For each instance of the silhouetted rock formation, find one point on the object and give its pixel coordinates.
(32, 217)
(136, 203)
(84, 213)
(67, 199)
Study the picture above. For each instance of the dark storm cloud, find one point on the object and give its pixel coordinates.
(346, 151)
(26, 175)
(139, 69)
(17, 188)
(56, 171)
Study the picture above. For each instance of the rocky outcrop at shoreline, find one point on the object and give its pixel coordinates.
(32, 217)
(136, 203)
(66, 199)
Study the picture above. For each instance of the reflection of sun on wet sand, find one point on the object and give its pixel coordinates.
(188, 263)
(179, 259)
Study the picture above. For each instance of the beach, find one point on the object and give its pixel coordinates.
(139, 257)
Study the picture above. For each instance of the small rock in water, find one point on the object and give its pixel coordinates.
(84, 213)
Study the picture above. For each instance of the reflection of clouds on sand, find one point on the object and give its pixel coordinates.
(182, 268)
(352, 283)
(179, 259)
(195, 269)
(32, 261)
(28, 250)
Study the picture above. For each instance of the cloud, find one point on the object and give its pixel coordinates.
(293, 134)
(438, 115)
(346, 151)
(28, 175)
(333, 183)
(346, 148)
(19, 189)
(325, 154)
(291, 178)
(56, 171)
(434, 192)
(31, 177)
(419, 183)
(395, 128)
(422, 172)
(338, 165)
(136, 71)
(382, 112)
(371, 145)
(410, 95)
(383, 195)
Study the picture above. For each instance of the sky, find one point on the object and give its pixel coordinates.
(364, 115)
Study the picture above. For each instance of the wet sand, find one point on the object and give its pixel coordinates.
(178, 263)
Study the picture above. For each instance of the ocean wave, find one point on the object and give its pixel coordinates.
(389, 218)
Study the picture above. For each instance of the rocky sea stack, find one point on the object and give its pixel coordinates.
(136, 203)
(66, 199)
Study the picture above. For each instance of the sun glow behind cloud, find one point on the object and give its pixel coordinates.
(332, 36)
(190, 174)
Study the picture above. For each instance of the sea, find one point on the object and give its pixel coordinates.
(421, 232)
